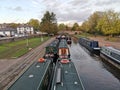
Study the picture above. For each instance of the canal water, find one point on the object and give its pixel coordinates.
(93, 71)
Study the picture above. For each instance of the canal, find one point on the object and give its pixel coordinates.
(93, 71)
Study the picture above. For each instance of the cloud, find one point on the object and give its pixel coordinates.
(18, 8)
(106, 2)
(72, 10)
(35, 3)
(69, 10)
(65, 10)
(74, 16)
(104, 5)
(79, 2)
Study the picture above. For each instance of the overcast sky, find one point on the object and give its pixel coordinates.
(21, 11)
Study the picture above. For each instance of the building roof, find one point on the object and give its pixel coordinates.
(7, 29)
(4, 25)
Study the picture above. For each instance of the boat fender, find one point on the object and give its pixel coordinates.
(41, 60)
(64, 61)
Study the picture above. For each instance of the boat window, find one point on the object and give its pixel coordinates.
(115, 55)
(94, 44)
(63, 51)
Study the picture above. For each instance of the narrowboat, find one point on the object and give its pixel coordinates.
(58, 37)
(51, 50)
(65, 74)
(69, 41)
(63, 50)
(63, 37)
(36, 77)
(91, 45)
(66, 77)
(111, 54)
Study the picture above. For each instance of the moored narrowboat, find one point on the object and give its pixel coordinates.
(63, 37)
(69, 41)
(58, 37)
(51, 50)
(63, 50)
(91, 45)
(111, 54)
(65, 74)
(36, 77)
(66, 77)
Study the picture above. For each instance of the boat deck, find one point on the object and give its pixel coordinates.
(32, 77)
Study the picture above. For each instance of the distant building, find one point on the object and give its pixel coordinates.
(6, 30)
(21, 30)
(25, 29)
(4, 25)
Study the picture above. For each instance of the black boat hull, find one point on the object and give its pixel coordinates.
(91, 45)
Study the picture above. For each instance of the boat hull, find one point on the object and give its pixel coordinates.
(110, 60)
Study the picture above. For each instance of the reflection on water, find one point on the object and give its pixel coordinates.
(95, 74)
(69, 45)
(112, 69)
(75, 40)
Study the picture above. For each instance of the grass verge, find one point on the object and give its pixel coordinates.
(19, 48)
(84, 35)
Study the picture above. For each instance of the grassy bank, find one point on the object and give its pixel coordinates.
(19, 48)
(84, 35)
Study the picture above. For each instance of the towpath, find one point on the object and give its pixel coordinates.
(103, 42)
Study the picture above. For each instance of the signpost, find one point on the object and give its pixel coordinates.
(41, 37)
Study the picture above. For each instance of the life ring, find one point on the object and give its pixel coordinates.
(41, 60)
(64, 61)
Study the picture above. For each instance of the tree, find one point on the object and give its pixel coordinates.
(35, 23)
(75, 27)
(93, 21)
(85, 26)
(118, 27)
(62, 26)
(90, 25)
(107, 23)
(49, 23)
(14, 25)
(110, 23)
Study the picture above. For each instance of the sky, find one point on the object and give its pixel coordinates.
(67, 11)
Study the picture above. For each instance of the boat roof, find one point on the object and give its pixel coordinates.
(63, 43)
(32, 77)
(69, 78)
(113, 49)
(54, 43)
(87, 39)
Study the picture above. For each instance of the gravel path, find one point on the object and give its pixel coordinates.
(103, 42)
(12, 69)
